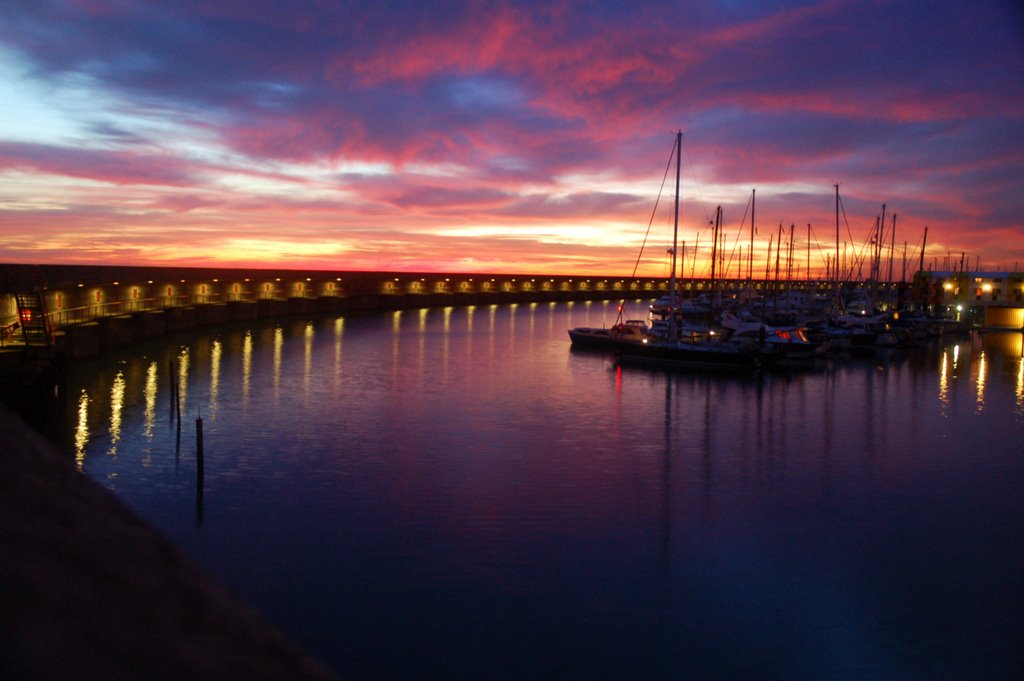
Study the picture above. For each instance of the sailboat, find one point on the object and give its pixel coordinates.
(709, 348)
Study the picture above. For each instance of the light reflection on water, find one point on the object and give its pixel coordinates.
(216, 349)
(116, 407)
(453, 489)
(81, 432)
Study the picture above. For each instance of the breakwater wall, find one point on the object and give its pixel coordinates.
(91, 308)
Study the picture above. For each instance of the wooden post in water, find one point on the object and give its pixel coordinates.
(199, 441)
(200, 469)
(174, 386)
(176, 405)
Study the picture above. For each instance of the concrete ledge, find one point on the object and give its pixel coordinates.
(83, 340)
(242, 310)
(92, 592)
(180, 318)
(212, 314)
(328, 304)
(268, 308)
(115, 331)
(302, 306)
(150, 324)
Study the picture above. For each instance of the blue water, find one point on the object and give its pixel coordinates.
(454, 494)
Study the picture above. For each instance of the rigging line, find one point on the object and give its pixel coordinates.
(916, 255)
(707, 216)
(650, 223)
(735, 246)
(856, 263)
(821, 252)
(920, 245)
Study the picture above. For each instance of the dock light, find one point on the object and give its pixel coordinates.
(948, 286)
(986, 287)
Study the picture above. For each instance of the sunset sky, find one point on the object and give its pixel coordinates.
(503, 136)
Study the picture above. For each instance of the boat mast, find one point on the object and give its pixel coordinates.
(835, 265)
(890, 298)
(750, 256)
(675, 239)
(714, 258)
(924, 242)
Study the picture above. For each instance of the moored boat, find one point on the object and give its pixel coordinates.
(710, 351)
(610, 338)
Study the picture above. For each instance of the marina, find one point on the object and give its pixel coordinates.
(457, 490)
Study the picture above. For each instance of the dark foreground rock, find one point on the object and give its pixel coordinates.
(89, 591)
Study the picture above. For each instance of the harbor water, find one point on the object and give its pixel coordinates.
(453, 493)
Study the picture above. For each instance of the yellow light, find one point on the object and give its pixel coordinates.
(986, 287)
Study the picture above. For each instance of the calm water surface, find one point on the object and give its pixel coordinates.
(454, 494)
